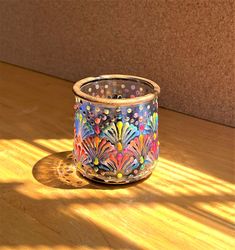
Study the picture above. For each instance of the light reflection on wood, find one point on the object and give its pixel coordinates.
(187, 203)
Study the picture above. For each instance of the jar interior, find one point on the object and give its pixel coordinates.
(117, 88)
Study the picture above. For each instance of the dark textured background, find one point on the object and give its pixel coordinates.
(185, 46)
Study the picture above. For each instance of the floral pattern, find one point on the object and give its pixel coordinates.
(98, 150)
(140, 148)
(121, 164)
(80, 154)
(82, 129)
(120, 134)
(115, 144)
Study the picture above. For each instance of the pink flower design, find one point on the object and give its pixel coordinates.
(121, 164)
(143, 149)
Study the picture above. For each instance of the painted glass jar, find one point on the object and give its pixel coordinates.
(116, 128)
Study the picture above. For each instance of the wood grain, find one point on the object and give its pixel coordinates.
(187, 203)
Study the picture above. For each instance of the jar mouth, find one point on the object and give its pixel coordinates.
(119, 90)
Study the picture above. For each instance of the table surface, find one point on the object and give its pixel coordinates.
(187, 203)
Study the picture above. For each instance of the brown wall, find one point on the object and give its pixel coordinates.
(186, 46)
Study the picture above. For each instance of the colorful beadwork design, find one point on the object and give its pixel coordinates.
(115, 144)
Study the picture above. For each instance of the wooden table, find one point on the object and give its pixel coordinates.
(187, 203)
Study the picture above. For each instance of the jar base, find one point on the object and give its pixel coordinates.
(112, 182)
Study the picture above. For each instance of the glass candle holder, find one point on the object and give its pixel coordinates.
(116, 128)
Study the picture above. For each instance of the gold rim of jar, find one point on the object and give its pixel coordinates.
(118, 102)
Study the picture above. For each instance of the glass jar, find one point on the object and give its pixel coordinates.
(116, 128)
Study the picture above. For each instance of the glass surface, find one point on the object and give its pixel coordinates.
(115, 144)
